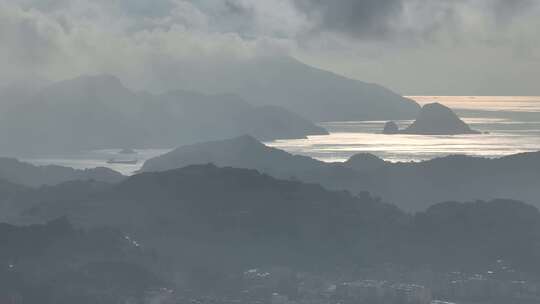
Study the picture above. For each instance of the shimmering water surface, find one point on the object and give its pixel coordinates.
(512, 125)
(99, 158)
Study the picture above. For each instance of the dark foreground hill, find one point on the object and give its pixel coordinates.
(54, 263)
(183, 210)
(411, 186)
(463, 232)
(226, 218)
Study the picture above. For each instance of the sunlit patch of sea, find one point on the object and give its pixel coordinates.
(510, 125)
(100, 158)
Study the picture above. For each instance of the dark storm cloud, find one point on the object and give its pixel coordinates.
(507, 10)
(374, 40)
(233, 16)
(392, 19)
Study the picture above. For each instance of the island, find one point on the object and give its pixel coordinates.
(391, 128)
(434, 119)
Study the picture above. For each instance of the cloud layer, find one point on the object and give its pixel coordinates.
(413, 46)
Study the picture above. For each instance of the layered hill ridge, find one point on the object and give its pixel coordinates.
(411, 186)
(254, 219)
(97, 112)
(182, 211)
(241, 152)
(26, 174)
(94, 112)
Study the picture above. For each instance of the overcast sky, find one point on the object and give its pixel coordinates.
(442, 47)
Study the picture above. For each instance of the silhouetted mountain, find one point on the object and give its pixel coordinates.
(239, 152)
(181, 211)
(34, 176)
(189, 117)
(472, 235)
(92, 112)
(247, 152)
(314, 93)
(55, 263)
(201, 213)
(22, 200)
(434, 119)
(412, 186)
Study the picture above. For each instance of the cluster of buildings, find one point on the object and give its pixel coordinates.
(485, 288)
(285, 286)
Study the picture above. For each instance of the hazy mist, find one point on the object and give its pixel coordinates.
(450, 47)
(269, 152)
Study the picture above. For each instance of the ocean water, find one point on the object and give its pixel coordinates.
(99, 158)
(512, 125)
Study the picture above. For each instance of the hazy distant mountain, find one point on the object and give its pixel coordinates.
(434, 119)
(314, 93)
(247, 152)
(34, 176)
(412, 186)
(239, 152)
(240, 217)
(188, 117)
(91, 112)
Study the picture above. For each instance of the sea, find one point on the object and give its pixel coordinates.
(509, 125)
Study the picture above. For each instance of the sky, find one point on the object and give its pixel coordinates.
(414, 47)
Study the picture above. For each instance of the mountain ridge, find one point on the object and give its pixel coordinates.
(99, 112)
(253, 218)
(29, 175)
(412, 186)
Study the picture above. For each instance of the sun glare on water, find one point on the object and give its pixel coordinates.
(511, 125)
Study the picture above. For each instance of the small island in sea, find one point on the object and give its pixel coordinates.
(434, 119)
